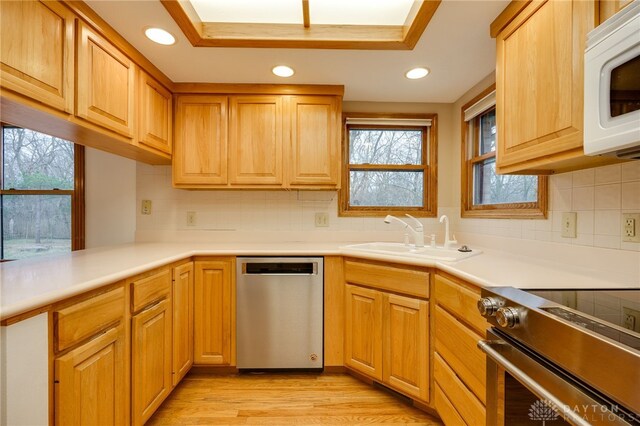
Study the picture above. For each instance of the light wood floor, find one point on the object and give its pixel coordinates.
(283, 399)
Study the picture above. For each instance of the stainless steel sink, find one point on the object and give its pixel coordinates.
(399, 249)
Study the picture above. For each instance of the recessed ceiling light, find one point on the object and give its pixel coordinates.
(282, 71)
(160, 36)
(416, 73)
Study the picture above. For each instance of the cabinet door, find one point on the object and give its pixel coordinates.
(151, 360)
(255, 140)
(314, 156)
(406, 345)
(200, 148)
(36, 57)
(608, 8)
(90, 382)
(182, 298)
(154, 114)
(105, 83)
(539, 87)
(214, 309)
(363, 330)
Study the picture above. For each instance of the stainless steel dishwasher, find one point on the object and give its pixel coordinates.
(279, 312)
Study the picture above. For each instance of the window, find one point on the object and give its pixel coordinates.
(484, 192)
(41, 195)
(390, 165)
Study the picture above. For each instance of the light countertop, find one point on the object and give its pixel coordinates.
(29, 284)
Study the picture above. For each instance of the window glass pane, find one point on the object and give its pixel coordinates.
(389, 189)
(385, 146)
(33, 160)
(490, 188)
(33, 225)
(488, 132)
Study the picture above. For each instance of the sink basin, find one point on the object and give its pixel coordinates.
(399, 249)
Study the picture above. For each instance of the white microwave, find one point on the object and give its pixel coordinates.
(612, 86)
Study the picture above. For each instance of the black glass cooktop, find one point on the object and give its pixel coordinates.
(611, 307)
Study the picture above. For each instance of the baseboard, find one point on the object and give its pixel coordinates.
(213, 369)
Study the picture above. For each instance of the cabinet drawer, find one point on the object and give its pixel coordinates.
(460, 300)
(150, 289)
(461, 399)
(445, 408)
(457, 345)
(396, 278)
(85, 319)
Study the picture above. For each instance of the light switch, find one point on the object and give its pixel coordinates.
(569, 224)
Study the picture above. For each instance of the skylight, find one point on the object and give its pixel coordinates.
(319, 24)
(322, 12)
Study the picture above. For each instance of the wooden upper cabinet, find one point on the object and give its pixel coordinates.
(155, 114)
(539, 87)
(200, 147)
(255, 140)
(608, 8)
(105, 83)
(314, 156)
(37, 55)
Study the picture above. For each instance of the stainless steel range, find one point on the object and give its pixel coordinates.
(556, 362)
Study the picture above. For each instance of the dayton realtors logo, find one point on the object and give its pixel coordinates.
(543, 410)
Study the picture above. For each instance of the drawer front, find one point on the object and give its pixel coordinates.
(85, 319)
(457, 345)
(445, 408)
(396, 278)
(464, 402)
(145, 291)
(461, 301)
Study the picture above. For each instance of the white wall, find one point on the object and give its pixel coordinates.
(110, 198)
(278, 215)
(598, 195)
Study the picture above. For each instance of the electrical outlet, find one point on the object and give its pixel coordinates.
(191, 218)
(630, 227)
(569, 224)
(146, 207)
(631, 319)
(322, 220)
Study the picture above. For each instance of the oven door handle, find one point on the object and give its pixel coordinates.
(500, 351)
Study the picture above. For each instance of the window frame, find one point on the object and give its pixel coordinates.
(77, 193)
(527, 210)
(429, 166)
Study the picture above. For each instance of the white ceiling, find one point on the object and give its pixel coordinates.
(456, 47)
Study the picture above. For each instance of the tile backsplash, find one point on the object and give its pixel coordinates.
(599, 196)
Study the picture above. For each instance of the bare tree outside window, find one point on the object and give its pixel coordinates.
(388, 169)
(37, 190)
(484, 192)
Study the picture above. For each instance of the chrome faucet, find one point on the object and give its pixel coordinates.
(417, 232)
(447, 241)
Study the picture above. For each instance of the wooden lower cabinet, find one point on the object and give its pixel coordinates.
(151, 360)
(182, 299)
(405, 345)
(459, 366)
(386, 334)
(214, 312)
(90, 382)
(363, 330)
